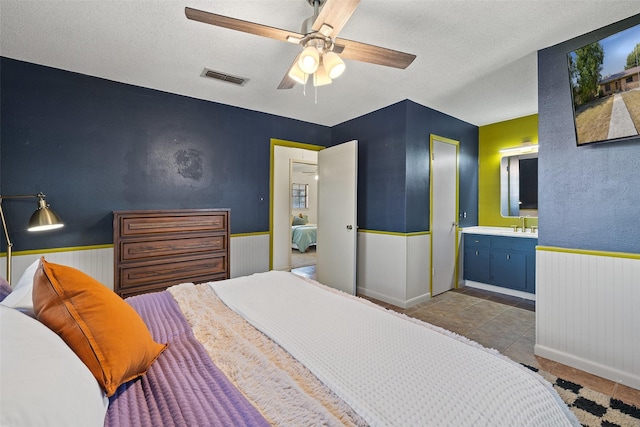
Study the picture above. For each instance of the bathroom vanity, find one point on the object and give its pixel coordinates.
(501, 258)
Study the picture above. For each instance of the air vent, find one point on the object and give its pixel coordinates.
(217, 75)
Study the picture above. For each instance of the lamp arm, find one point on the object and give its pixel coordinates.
(41, 196)
(22, 196)
(4, 225)
(9, 244)
(4, 222)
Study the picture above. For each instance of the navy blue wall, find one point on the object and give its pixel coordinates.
(381, 139)
(94, 146)
(393, 168)
(421, 123)
(588, 195)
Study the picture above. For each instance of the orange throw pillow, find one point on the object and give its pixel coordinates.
(104, 331)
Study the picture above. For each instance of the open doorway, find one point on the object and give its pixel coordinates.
(337, 209)
(304, 214)
(285, 155)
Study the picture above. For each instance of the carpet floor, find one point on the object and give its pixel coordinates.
(303, 259)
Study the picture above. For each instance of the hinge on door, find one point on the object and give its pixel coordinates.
(433, 156)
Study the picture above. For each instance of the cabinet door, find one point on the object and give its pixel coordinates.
(509, 269)
(477, 264)
(531, 272)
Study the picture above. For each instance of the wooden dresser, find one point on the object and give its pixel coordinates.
(155, 249)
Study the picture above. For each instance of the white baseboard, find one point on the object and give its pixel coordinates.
(594, 368)
(498, 289)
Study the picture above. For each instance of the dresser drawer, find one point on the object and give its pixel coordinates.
(193, 269)
(158, 287)
(131, 250)
(162, 224)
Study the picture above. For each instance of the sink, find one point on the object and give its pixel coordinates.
(501, 231)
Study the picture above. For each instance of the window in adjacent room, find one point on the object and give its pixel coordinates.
(300, 196)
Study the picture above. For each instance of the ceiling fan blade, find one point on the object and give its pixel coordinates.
(335, 13)
(374, 54)
(287, 82)
(240, 25)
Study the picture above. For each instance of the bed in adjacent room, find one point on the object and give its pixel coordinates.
(303, 236)
(267, 349)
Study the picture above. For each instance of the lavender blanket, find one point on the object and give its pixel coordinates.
(183, 387)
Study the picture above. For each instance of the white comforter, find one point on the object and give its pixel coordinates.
(392, 370)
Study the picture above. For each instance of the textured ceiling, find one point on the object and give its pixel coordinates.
(476, 60)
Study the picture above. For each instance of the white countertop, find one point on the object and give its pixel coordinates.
(501, 231)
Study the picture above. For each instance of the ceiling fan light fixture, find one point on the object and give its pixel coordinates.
(297, 74)
(320, 77)
(309, 60)
(333, 64)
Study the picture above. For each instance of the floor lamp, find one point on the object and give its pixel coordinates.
(44, 218)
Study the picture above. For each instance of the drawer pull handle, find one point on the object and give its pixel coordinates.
(508, 256)
(476, 253)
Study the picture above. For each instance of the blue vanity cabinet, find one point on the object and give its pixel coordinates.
(477, 256)
(511, 261)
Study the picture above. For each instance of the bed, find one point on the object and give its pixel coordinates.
(267, 349)
(303, 236)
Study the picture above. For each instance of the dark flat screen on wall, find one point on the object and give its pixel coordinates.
(529, 183)
(605, 87)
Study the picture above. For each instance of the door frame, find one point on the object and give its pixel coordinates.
(283, 143)
(432, 138)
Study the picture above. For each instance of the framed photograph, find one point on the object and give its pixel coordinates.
(605, 87)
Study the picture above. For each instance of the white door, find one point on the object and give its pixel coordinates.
(337, 216)
(444, 213)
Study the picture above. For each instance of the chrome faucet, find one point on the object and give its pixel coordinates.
(523, 222)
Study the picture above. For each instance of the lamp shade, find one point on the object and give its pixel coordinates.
(320, 77)
(44, 218)
(333, 64)
(309, 60)
(297, 74)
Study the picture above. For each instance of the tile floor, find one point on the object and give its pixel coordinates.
(502, 322)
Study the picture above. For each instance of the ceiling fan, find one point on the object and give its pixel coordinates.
(322, 52)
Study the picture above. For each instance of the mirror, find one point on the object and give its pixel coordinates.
(519, 185)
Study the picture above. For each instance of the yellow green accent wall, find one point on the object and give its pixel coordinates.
(491, 139)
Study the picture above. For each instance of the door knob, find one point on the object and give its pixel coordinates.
(349, 227)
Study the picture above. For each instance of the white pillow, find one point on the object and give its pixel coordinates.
(42, 381)
(21, 296)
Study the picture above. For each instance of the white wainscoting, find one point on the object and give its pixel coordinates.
(588, 312)
(394, 268)
(248, 254)
(97, 262)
